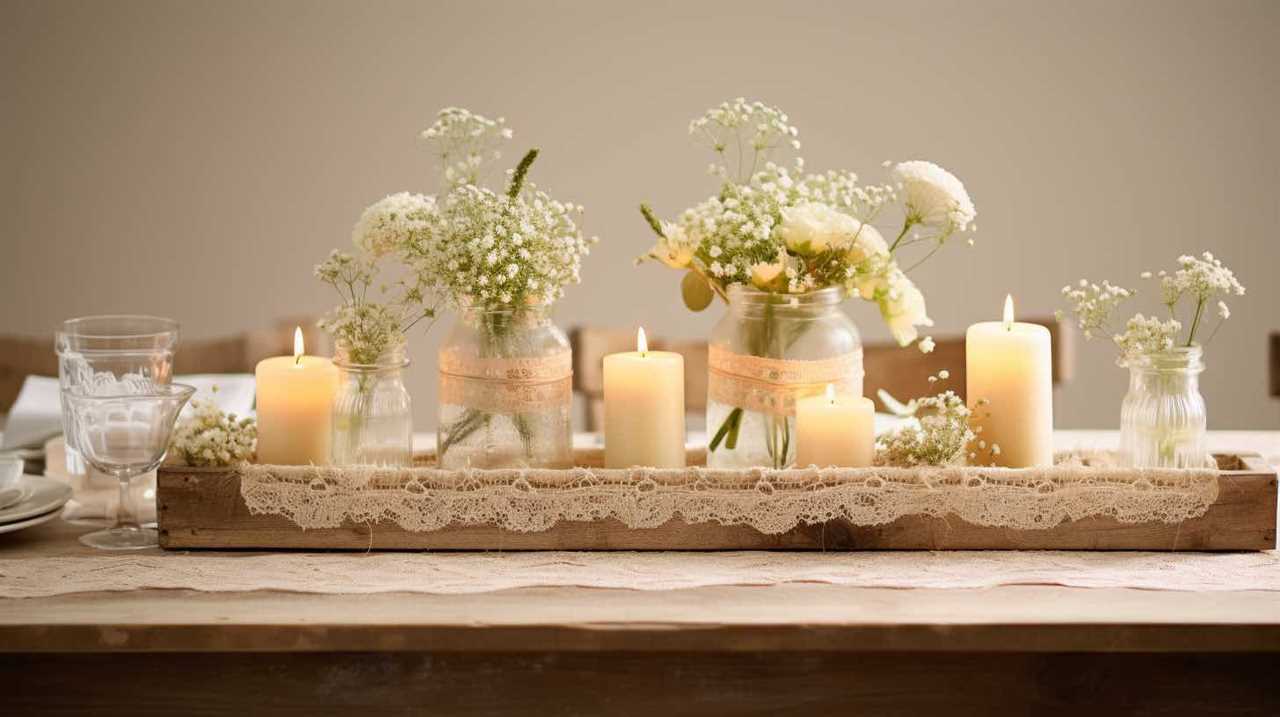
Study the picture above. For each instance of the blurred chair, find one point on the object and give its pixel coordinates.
(903, 372)
(22, 356)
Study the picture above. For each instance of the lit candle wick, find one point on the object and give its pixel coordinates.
(642, 345)
(298, 347)
(1008, 312)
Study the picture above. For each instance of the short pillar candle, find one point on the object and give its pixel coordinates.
(295, 407)
(834, 430)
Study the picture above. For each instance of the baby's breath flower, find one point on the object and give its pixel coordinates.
(466, 143)
(934, 196)
(1144, 336)
(210, 437)
(1093, 304)
(941, 437)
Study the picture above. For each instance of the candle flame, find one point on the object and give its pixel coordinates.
(1008, 310)
(642, 345)
(831, 393)
(298, 347)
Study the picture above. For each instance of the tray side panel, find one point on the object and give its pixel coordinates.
(203, 509)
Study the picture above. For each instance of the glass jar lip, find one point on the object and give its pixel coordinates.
(393, 358)
(467, 307)
(90, 327)
(747, 294)
(1178, 358)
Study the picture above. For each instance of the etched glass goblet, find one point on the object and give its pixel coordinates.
(111, 348)
(123, 430)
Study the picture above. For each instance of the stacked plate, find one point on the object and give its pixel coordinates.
(27, 500)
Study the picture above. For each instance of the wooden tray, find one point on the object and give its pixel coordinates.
(202, 508)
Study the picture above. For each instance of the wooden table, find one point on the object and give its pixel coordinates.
(790, 649)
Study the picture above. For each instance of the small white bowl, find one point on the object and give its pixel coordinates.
(10, 472)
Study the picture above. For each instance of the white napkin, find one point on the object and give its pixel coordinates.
(96, 495)
(37, 414)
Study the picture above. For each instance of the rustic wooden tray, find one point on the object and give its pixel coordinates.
(202, 508)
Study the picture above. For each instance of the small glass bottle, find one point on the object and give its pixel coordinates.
(372, 413)
(768, 350)
(506, 391)
(1163, 418)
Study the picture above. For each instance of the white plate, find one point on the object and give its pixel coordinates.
(44, 495)
(11, 527)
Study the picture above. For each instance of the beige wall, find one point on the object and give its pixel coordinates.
(196, 159)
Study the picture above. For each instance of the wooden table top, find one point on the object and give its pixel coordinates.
(714, 619)
(793, 617)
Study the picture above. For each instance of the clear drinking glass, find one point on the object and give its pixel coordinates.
(372, 413)
(123, 430)
(767, 351)
(505, 391)
(111, 348)
(1163, 417)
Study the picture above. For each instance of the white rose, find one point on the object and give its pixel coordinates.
(903, 309)
(814, 227)
(934, 197)
(867, 243)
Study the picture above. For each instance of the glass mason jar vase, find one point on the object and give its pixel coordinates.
(767, 351)
(505, 391)
(372, 416)
(1163, 418)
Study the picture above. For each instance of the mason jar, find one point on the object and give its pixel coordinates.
(372, 413)
(768, 350)
(1163, 418)
(506, 391)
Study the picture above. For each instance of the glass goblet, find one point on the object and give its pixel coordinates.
(124, 431)
(111, 348)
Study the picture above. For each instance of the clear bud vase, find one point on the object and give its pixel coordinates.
(767, 351)
(372, 413)
(1163, 418)
(505, 391)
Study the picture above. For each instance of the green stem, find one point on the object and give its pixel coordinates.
(906, 225)
(1191, 336)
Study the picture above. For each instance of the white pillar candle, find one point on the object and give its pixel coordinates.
(295, 407)
(1009, 368)
(644, 408)
(835, 430)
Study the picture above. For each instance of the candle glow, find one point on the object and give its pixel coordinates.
(644, 408)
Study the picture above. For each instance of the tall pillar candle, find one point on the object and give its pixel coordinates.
(295, 407)
(1009, 368)
(835, 430)
(644, 408)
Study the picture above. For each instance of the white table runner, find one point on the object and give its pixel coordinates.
(486, 572)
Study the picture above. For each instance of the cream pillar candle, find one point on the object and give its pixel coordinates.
(295, 407)
(1009, 366)
(644, 408)
(835, 430)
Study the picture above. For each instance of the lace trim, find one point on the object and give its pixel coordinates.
(506, 385)
(424, 499)
(769, 385)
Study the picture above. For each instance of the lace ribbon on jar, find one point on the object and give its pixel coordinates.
(506, 385)
(770, 385)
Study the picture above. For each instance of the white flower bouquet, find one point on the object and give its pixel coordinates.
(498, 257)
(788, 233)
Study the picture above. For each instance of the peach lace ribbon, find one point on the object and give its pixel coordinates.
(506, 385)
(770, 385)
